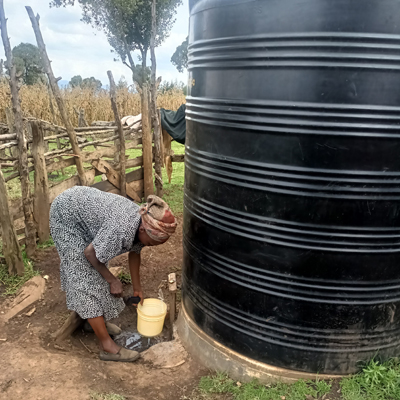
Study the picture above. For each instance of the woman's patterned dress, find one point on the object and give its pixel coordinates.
(80, 216)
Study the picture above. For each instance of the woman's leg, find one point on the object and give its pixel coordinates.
(100, 331)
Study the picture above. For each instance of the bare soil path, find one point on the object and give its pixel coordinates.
(32, 367)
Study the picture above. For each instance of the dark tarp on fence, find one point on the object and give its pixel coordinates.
(174, 123)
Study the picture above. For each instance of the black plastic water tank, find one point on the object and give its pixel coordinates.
(292, 187)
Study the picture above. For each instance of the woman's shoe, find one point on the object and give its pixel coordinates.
(123, 355)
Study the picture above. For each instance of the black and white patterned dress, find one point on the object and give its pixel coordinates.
(80, 216)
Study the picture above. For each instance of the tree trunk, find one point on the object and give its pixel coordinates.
(10, 122)
(147, 138)
(41, 202)
(147, 144)
(57, 95)
(154, 113)
(81, 118)
(167, 154)
(30, 231)
(52, 110)
(122, 155)
(11, 249)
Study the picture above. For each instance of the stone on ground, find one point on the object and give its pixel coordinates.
(166, 354)
(116, 271)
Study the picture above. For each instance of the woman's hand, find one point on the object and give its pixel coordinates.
(115, 284)
(116, 288)
(138, 292)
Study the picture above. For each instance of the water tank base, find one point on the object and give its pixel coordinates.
(217, 357)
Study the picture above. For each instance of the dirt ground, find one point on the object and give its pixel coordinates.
(34, 368)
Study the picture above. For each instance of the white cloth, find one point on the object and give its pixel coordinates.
(133, 122)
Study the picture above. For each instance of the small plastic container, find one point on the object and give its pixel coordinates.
(151, 316)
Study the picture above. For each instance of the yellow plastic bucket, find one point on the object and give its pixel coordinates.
(151, 316)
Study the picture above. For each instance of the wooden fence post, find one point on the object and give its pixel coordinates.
(52, 110)
(172, 290)
(167, 153)
(147, 141)
(28, 133)
(30, 230)
(41, 201)
(58, 141)
(121, 144)
(10, 123)
(154, 113)
(117, 154)
(81, 118)
(57, 95)
(11, 249)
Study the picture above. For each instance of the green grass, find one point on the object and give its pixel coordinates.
(45, 245)
(376, 381)
(14, 186)
(13, 283)
(173, 192)
(173, 195)
(300, 390)
(106, 396)
(125, 277)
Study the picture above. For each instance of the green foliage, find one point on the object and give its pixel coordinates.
(300, 390)
(168, 86)
(173, 192)
(28, 63)
(12, 283)
(138, 75)
(76, 81)
(127, 25)
(14, 185)
(376, 381)
(322, 387)
(122, 83)
(217, 384)
(90, 83)
(125, 277)
(46, 245)
(180, 58)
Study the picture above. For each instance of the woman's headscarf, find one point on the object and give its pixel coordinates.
(157, 219)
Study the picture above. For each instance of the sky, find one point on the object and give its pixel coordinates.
(76, 48)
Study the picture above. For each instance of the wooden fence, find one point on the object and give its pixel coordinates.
(104, 160)
(44, 162)
(27, 144)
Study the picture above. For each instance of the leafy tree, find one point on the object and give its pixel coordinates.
(122, 83)
(180, 58)
(127, 25)
(76, 81)
(168, 86)
(28, 63)
(133, 25)
(92, 83)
